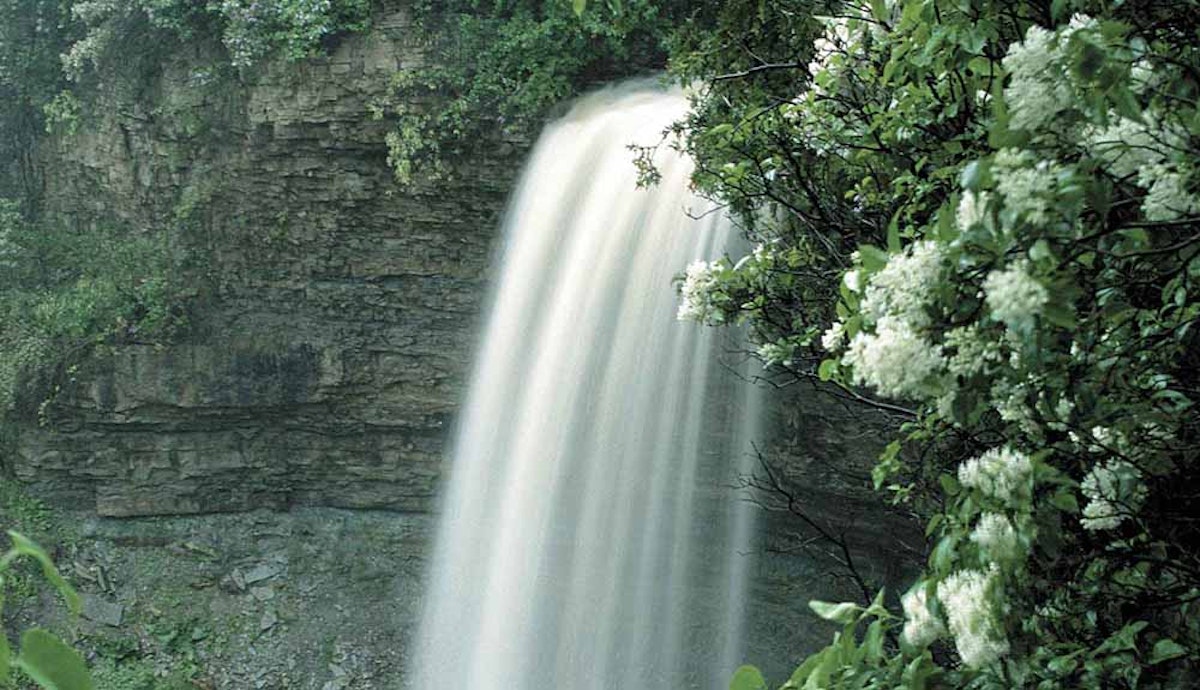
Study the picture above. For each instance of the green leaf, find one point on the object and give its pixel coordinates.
(949, 484)
(1166, 649)
(839, 613)
(1122, 640)
(580, 6)
(873, 642)
(827, 369)
(873, 258)
(5, 659)
(51, 663)
(747, 678)
(972, 176)
(1060, 314)
(1064, 499)
(24, 546)
(879, 9)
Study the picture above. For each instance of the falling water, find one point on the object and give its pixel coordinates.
(589, 536)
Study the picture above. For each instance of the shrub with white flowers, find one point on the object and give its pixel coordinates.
(984, 219)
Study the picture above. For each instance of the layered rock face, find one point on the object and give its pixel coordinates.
(336, 311)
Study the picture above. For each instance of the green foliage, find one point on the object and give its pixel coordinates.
(992, 212)
(249, 30)
(495, 69)
(64, 290)
(32, 34)
(43, 657)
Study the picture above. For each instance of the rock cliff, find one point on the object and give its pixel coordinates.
(334, 320)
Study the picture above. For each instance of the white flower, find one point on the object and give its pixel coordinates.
(972, 353)
(1001, 473)
(1026, 184)
(1114, 491)
(775, 353)
(1014, 296)
(833, 338)
(903, 287)
(1064, 408)
(967, 597)
(894, 360)
(996, 537)
(853, 280)
(972, 209)
(1126, 146)
(1009, 399)
(1167, 196)
(921, 626)
(695, 292)
(1039, 87)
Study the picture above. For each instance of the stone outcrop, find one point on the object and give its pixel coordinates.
(334, 316)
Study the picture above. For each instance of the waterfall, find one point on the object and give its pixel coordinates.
(590, 537)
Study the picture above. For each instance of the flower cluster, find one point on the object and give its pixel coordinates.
(1038, 89)
(1000, 473)
(1027, 184)
(972, 209)
(921, 625)
(1114, 491)
(902, 288)
(996, 537)
(967, 596)
(972, 352)
(894, 360)
(1014, 296)
(696, 292)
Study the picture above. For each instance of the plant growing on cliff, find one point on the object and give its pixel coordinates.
(986, 214)
(249, 30)
(42, 657)
(494, 70)
(65, 290)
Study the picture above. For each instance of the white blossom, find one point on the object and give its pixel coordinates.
(966, 596)
(972, 353)
(1039, 87)
(894, 360)
(775, 353)
(1026, 184)
(1014, 296)
(996, 537)
(833, 338)
(1009, 399)
(921, 626)
(902, 288)
(1114, 491)
(1167, 195)
(1127, 146)
(696, 292)
(972, 209)
(853, 280)
(1001, 473)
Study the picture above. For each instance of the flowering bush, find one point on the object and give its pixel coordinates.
(987, 214)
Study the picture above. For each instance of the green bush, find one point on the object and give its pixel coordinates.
(987, 214)
(64, 290)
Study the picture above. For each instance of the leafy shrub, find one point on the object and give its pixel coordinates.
(494, 70)
(64, 290)
(997, 207)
